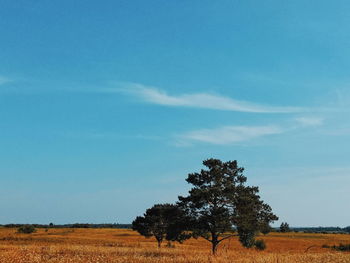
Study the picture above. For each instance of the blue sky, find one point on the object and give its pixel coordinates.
(106, 107)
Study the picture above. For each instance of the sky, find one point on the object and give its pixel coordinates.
(106, 106)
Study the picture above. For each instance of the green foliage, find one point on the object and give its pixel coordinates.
(26, 229)
(163, 221)
(347, 229)
(284, 228)
(80, 225)
(246, 237)
(251, 215)
(340, 247)
(343, 247)
(260, 244)
(265, 229)
(219, 200)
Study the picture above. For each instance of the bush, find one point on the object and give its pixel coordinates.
(26, 229)
(260, 244)
(246, 237)
(342, 247)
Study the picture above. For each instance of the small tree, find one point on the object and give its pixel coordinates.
(252, 215)
(284, 228)
(163, 221)
(260, 244)
(219, 199)
(26, 229)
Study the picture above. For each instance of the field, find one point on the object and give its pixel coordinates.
(116, 245)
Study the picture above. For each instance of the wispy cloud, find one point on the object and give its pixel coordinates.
(227, 134)
(199, 100)
(310, 121)
(4, 80)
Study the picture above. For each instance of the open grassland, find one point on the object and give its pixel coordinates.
(115, 245)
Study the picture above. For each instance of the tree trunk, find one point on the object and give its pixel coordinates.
(214, 243)
(214, 248)
(159, 240)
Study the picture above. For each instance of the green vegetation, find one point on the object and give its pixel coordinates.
(340, 247)
(164, 222)
(218, 206)
(284, 228)
(260, 244)
(26, 229)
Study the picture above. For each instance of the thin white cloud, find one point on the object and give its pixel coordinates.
(200, 100)
(4, 80)
(228, 134)
(310, 121)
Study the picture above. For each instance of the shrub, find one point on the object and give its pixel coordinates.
(26, 229)
(260, 244)
(342, 247)
(246, 237)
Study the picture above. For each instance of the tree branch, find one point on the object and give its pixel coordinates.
(233, 235)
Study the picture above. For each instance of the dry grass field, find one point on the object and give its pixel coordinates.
(114, 245)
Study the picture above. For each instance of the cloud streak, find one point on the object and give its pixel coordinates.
(228, 134)
(4, 80)
(200, 100)
(310, 121)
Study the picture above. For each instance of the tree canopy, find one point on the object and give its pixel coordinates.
(163, 221)
(284, 227)
(220, 201)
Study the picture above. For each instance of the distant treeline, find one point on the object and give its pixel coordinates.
(345, 230)
(76, 225)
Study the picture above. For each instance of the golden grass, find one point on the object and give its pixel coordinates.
(116, 245)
